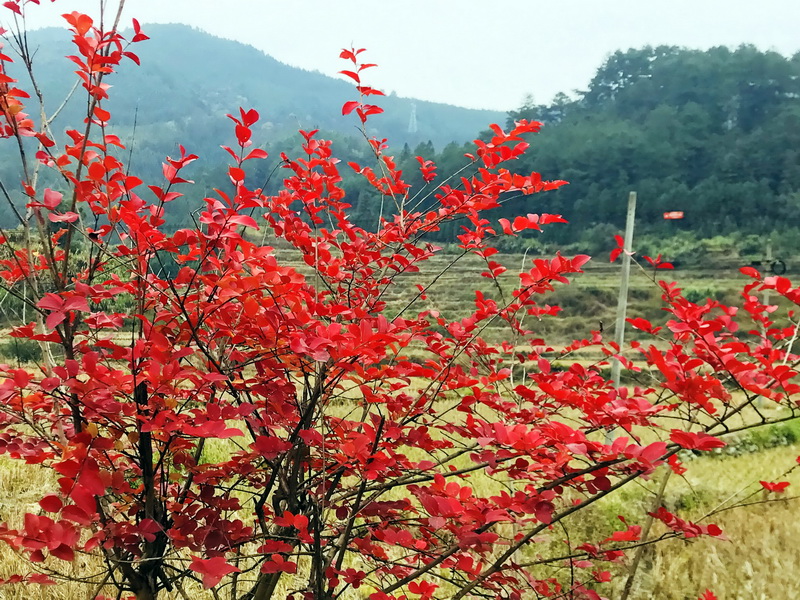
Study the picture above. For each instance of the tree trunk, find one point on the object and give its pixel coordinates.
(146, 593)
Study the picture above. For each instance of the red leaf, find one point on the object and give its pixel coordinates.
(351, 75)
(40, 578)
(36, 556)
(270, 446)
(695, 441)
(54, 319)
(90, 478)
(243, 134)
(51, 503)
(212, 569)
(21, 378)
(290, 520)
(231, 152)
(257, 153)
(543, 511)
(349, 107)
(640, 323)
(51, 198)
(236, 174)
(45, 140)
(132, 56)
(750, 272)
(632, 534)
(619, 249)
(68, 468)
(63, 552)
(278, 563)
(67, 217)
(13, 6)
(76, 515)
(97, 171)
(83, 499)
(371, 109)
(300, 522)
(51, 302)
(579, 260)
(676, 465)
(546, 219)
(80, 22)
(137, 30)
(368, 91)
(249, 117)
(101, 114)
(652, 452)
(506, 225)
(245, 220)
(777, 487)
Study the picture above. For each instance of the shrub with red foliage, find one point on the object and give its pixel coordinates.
(365, 443)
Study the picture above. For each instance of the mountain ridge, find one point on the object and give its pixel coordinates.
(201, 76)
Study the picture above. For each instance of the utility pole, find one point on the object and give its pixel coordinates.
(412, 120)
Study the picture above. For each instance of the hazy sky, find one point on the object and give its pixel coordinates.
(476, 53)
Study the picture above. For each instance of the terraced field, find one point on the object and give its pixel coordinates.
(588, 303)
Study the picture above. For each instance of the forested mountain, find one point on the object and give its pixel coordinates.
(188, 80)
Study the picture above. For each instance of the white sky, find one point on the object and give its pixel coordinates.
(475, 53)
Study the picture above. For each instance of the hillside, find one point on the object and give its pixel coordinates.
(188, 80)
(714, 133)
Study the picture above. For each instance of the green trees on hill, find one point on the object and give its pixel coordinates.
(713, 133)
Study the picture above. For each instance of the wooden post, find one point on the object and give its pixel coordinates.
(648, 524)
(767, 270)
(768, 267)
(622, 301)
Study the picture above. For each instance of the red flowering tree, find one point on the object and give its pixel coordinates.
(357, 442)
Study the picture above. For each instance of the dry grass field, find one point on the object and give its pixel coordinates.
(755, 562)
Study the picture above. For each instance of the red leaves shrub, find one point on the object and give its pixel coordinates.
(270, 409)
